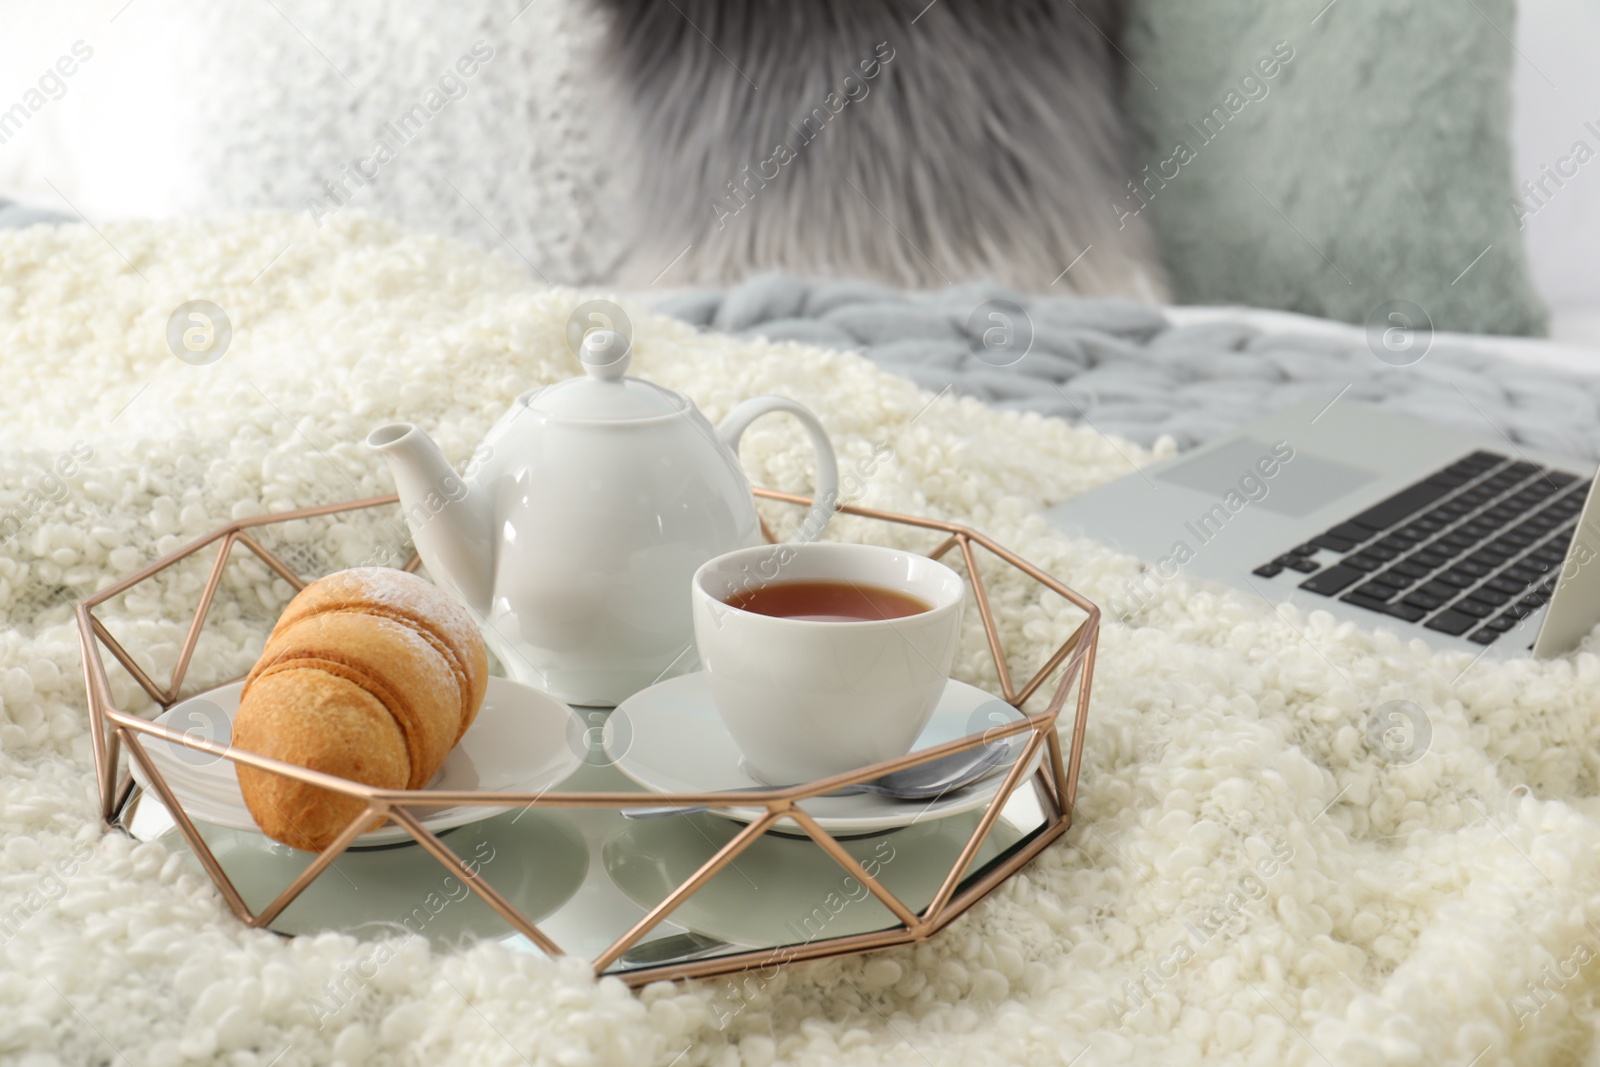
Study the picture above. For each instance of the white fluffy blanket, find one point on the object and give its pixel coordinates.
(1249, 881)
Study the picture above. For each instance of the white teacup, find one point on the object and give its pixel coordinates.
(805, 699)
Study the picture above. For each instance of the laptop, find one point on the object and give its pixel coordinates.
(1466, 541)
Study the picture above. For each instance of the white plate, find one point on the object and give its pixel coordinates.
(670, 739)
(522, 741)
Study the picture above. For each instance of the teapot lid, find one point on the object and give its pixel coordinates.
(602, 392)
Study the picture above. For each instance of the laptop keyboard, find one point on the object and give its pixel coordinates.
(1469, 551)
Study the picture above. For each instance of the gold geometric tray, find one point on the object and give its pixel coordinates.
(1032, 810)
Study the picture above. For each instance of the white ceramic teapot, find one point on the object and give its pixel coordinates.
(593, 503)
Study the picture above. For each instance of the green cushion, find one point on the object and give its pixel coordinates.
(1373, 164)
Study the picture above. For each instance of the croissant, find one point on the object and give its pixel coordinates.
(371, 674)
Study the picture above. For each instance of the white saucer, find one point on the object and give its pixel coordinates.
(670, 739)
(521, 741)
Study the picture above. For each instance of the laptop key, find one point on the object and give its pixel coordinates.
(1392, 580)
(1449, 478)
(1428, 559)
(1268, 570)
(1415, 570)
(1501, 623)
(1466, 566)
(1485, 636)
(1491, 596)
(1459, 581)
(1399, 611)
(1362, 561)
(1369, 603)
(1383, 515)
(1349, 531)
(1476, 608)
(1451, 622)
(1307, 549)
(1376, 591)
(1561, 477)
(1333, 580)
(1506, 584)
(1300, 563)
(1419, 599)
(1333, 544)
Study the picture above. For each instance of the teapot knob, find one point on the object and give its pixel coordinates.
(605, 355)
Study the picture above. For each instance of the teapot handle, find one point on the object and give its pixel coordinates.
(826, 497)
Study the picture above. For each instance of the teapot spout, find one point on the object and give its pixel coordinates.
(449, 516)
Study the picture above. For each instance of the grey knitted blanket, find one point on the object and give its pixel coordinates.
(14, 216)
(1124, 369)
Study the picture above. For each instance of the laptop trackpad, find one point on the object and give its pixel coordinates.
(1296, 486)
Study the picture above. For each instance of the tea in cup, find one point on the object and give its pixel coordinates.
(824, 658)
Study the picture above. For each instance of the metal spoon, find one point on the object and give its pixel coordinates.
(925, 781)
(672, 948)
